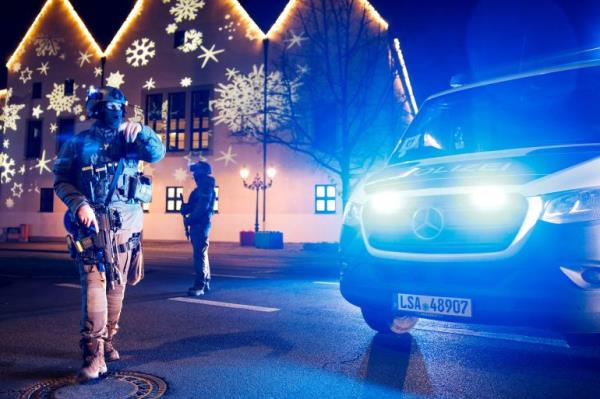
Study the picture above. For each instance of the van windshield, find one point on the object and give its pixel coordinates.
(551, 109)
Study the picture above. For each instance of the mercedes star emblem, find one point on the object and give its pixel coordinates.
(428, 223)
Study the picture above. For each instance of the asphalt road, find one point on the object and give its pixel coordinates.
(274, 326)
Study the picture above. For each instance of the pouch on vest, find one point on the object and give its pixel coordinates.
(135, 274)
(140, 188)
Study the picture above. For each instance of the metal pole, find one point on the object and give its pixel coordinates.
(102, 65)
(256, 214)
(265, 113)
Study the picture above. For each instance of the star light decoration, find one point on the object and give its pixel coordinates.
(150, 84)
(16, 67)
(53, 127)
(9, 203)
(227, 156)
(295, 39)
(37, 111)
(189, 158)
(25, 75)
(17, 190)
(6, 144)
(97, 71)
(209, 54)
(186, 82)
(42, 164)
(44, 68)
(84, 58)
(115, 79)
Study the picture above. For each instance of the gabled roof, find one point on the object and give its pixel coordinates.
(30, 35)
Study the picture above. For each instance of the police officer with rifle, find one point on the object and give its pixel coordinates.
(97, 176)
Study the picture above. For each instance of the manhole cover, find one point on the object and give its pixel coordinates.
(122, 384)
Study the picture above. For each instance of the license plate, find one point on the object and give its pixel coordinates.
(439, 305)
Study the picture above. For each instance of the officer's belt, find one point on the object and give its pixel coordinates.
(132, 243)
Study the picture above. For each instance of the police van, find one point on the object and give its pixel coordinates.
(488, 210)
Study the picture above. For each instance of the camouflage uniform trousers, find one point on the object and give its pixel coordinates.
(101, 304)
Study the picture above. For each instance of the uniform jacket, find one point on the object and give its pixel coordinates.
(200, 205)
(96, 147)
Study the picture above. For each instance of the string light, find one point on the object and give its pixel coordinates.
(33, 29)
(251, 24)
(405, 75)
(135, 12)
(292, 5)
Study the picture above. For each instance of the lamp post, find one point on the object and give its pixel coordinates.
(257, 184)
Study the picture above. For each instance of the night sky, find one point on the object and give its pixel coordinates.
(440, 38)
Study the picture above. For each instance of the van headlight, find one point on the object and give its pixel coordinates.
(573, 206)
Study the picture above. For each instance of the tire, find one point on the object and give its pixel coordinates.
(387, 322)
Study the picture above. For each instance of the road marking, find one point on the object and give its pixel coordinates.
(225, 304)
(67, 285)
(500, 336)
(231, 276)
(326, 282)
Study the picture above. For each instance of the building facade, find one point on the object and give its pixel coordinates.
(187, 68)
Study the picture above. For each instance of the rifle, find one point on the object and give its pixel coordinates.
(186, 227)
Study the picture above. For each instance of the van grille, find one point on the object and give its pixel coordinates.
(464, 227)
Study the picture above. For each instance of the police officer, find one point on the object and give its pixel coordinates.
(84, 172)
(197, 213)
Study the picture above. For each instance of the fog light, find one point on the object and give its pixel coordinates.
(591, 275)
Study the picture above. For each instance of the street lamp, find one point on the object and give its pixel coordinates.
(257, 184)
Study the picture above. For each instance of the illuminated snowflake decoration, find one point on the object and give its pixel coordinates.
(10, 112)
(44, 68)
(171, 28)
(140, 52)
(47, 46)
(78, 109)
(180, 175)
(42, 164)
(192, 40)
(115, 79)
(97, 71)
(186, 82)
(150, 84)
(7, 168)
(6, 144)
(229, 27)
(227, 156)
(193, 155)
(209, 54)
(53, 127)
(59, 102)
(17, 190)
(84, 58)
(9, 203)
(186, 9)
(239, 103)
(16, 67)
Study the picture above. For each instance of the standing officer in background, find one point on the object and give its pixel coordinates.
(96, 174)
(197, 213)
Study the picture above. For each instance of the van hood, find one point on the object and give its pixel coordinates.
(506, 167)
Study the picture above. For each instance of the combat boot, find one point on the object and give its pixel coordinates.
(94, 365)
(110, 352)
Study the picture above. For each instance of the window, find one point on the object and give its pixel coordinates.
(154, 115)
(199, 138)
(325, 198)
(178, 38)
(66, 130)
(176, 122)
(33, 147)
(36, 90)
(174, 196)
(216, 206)
(47, 200)
(69, 87)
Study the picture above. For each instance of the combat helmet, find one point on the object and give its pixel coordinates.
(201, 168)
(96, 96)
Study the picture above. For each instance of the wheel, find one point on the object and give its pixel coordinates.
(387, 322)
(592, 339)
